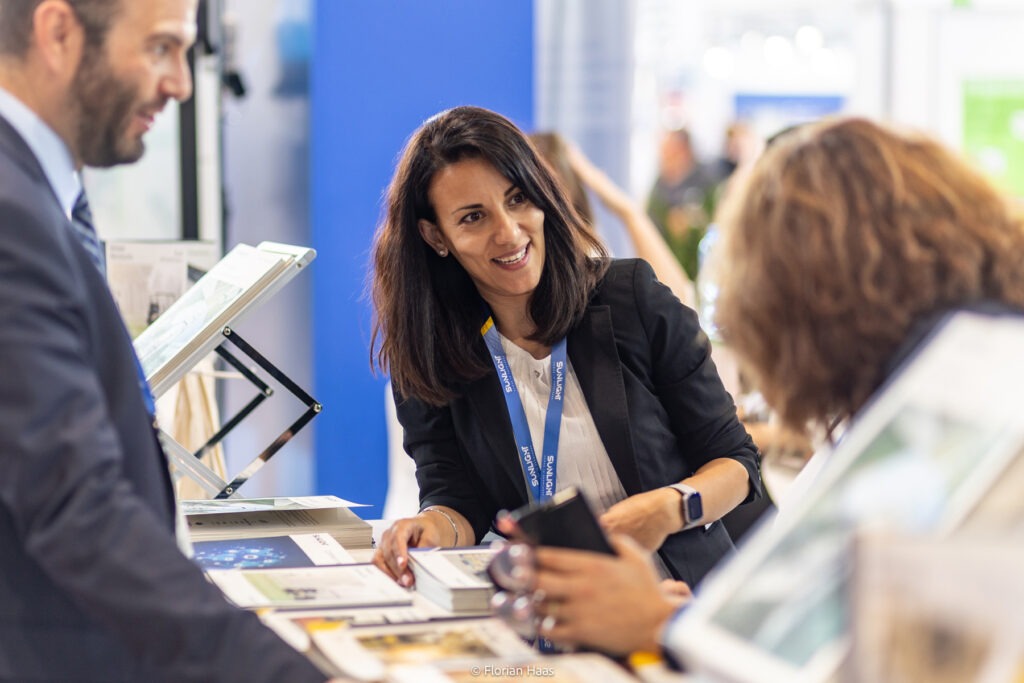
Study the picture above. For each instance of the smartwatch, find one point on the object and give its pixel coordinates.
(691, 506)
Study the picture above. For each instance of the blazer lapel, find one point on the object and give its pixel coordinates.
(486, 400)
(596, 363)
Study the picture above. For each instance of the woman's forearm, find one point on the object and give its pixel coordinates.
(723, 484)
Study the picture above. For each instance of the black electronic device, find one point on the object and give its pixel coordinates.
(565, 520)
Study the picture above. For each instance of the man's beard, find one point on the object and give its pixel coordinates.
(105, 109)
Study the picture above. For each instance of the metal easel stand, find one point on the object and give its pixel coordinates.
(191, 465)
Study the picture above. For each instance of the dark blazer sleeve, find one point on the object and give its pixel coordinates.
(445, 475)
(701, 412)
(69, 504)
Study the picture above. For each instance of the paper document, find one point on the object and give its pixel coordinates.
(300, 550)
(357, 585)
(356, 651)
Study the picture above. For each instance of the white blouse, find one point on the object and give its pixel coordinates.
(583, 461)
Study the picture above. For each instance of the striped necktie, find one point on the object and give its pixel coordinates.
(85, 230)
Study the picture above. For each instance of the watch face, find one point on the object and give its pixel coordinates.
(694, 508)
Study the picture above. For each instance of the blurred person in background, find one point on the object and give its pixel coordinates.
(741, 147)
(578, 175)
(683, 199)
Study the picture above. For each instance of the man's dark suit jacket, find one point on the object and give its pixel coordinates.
(645, 369)
(92, 584)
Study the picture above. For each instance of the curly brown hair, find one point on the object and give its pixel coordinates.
(844, 235)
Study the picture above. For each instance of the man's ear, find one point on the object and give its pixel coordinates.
(58, 38)
(432, 235)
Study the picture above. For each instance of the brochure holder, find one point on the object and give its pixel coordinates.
(199, 323)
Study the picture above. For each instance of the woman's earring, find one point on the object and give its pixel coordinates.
(442, 252)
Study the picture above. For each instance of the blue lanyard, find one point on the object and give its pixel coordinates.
(540, 477)
(147, 395)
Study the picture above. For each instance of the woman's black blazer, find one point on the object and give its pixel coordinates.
(645, 369)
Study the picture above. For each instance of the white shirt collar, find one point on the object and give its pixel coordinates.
(51, 152)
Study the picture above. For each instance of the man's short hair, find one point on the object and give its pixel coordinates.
(96, 17)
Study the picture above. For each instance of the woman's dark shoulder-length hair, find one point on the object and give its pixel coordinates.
(428, 311)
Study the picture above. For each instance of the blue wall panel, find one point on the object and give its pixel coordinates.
(379, 68)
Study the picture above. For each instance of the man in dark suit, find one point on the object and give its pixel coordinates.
(92, 584)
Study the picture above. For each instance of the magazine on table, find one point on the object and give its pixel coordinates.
(294, 626)
(367, 653)
(233, 518)
(454, 578)
(571, 668)
(354, 585)
(271, 552)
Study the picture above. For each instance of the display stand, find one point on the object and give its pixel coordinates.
(199, 323)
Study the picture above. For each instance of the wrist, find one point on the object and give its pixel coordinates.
(691, 505)
(442, 520)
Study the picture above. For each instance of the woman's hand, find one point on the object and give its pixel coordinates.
(421, 531)
(613, 604)
(648, 518)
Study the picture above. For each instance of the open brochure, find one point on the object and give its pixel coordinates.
(574, 668)
(295, 626)
(233, 518)
(367, 653)
(147, 277)
(271, 552)
(192, 326)
(455, 578)
(354, 585)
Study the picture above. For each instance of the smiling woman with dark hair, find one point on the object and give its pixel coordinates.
(523, 363)
(424, 334)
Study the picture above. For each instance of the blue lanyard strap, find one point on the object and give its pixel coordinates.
(541, 475)
(147, 394)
